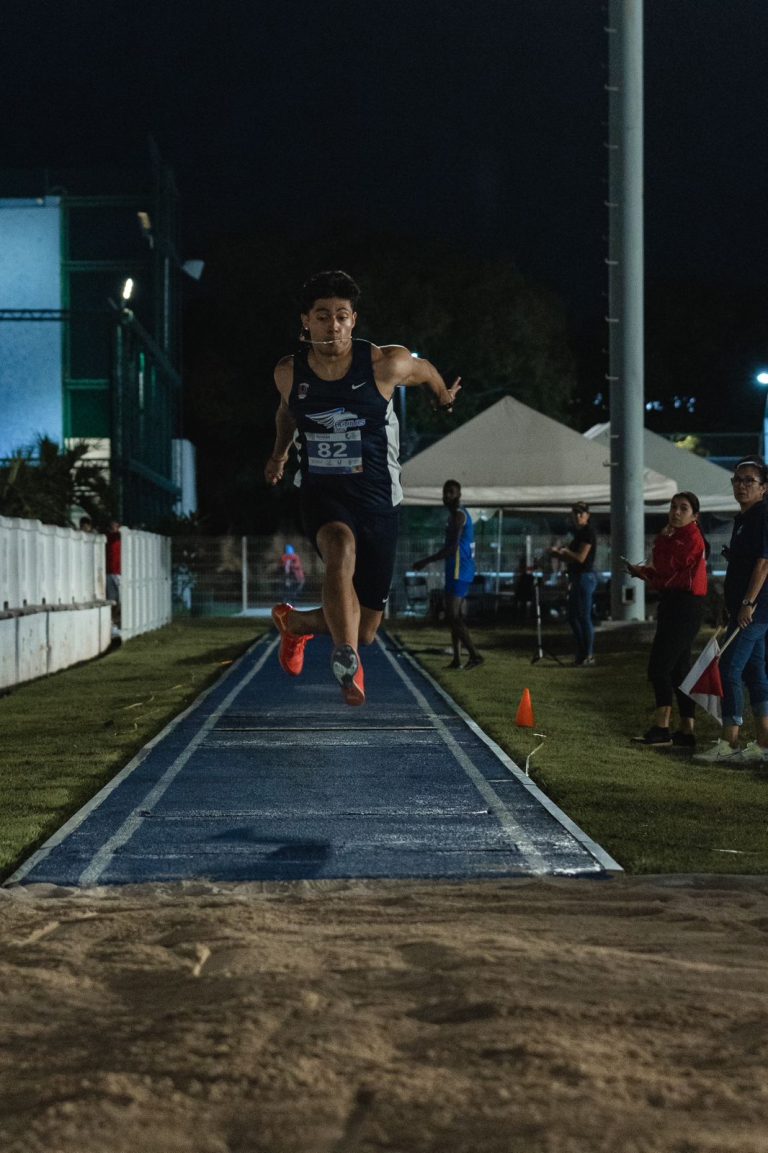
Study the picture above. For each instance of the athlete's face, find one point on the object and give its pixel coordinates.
(330, 323)
(451, 495)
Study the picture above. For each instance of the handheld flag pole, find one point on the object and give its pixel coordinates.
(703, 683)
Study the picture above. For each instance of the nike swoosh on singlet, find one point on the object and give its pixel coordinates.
(354, 386)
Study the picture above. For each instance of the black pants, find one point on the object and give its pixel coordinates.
(678, 620)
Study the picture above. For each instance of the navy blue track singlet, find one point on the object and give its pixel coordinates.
(347, 434)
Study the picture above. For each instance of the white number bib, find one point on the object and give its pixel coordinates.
(337, 453)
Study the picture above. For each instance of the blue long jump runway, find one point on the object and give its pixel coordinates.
(272, 778)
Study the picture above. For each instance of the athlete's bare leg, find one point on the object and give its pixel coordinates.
(307, 622)
(341, 614)
(459, 631)
(338, 548)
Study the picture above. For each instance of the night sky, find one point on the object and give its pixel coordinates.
(481, 123)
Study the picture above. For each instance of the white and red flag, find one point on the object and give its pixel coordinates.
(703, 684)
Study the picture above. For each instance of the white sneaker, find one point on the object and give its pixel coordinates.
(753, 754)
(720, 751)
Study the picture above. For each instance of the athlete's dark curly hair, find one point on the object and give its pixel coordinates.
(324, 285)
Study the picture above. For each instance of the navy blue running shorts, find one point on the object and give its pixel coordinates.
(454, 588)
(375, 536)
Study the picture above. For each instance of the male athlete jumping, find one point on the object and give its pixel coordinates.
(336, 408)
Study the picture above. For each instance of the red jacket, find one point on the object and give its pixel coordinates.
(678, 561)
(113, 553)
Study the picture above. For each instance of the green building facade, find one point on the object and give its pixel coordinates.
(118, 366)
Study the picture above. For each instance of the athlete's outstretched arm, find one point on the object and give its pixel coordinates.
(285, 425)
(398, 366)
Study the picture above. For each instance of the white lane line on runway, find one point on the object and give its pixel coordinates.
(96, 801)
(534, 860)
(597, 851)
(134, 820)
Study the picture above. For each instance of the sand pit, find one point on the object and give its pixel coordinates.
(622, 1015)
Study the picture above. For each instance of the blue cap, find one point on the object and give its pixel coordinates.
(290, 550)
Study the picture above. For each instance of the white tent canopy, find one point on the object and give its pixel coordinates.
(514, 457)
(711, 483)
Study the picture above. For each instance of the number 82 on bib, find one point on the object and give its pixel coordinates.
(335, 453)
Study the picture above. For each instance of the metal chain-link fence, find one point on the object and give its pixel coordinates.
(228, 575)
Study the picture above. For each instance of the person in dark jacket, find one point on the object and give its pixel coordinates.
(678, 572)
(746, 602)
(579, 556)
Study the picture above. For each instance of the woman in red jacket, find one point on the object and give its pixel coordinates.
(678, 572)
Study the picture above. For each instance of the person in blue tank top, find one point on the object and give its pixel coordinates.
(336, 409)
(458, 552)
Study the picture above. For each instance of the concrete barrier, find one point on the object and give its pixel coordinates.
(36, 642)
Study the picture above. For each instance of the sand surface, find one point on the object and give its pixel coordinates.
(620, 1015)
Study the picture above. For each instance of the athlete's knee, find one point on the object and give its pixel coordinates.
(336, 542)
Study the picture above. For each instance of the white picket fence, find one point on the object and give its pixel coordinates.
(45, 565)
(53, 607)
(145, 585)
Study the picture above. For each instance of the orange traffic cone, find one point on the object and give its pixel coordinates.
(525, 718)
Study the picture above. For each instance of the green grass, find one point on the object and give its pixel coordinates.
(655, 811)
(65, 736)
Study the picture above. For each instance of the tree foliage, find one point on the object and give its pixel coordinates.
(44, 482)
(705, 343)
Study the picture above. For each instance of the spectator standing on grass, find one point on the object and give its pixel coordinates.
(114, 571)
(746, 602)
(579, 556)
(458, 552)
(678, 572)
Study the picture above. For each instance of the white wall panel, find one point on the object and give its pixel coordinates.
(60, 572)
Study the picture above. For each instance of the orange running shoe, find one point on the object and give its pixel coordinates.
(291, 654)
(348, 671)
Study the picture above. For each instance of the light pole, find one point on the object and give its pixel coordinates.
(762, 379)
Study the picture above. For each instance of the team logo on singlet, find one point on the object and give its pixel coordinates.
(337, 419)
(303, 390)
